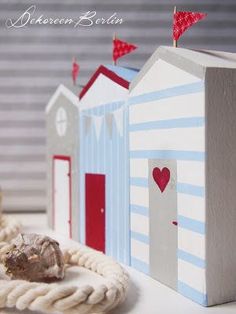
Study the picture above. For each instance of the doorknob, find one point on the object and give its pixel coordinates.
(102, 210)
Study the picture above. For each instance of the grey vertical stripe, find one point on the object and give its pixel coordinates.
(34, 60)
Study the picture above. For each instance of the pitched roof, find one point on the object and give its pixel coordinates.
(119, 75)
(64, 91)
(193, 61)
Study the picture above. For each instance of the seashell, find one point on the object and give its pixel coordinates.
(34, 257)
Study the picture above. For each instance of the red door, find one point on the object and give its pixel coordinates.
(95, 211)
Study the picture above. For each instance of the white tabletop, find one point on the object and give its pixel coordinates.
(145, 294)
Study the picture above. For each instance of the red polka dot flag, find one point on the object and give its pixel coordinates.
(183, 20)
(75, 71)
(121, 48)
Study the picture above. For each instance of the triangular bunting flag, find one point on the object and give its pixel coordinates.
(182, 20)
(119, 120)
(109, 123)
(121, 48)
(87, 124)
(97, 120)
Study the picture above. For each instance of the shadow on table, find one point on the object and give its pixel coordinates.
(231, 305)
(131, 299)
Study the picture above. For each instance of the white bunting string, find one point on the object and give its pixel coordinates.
(87, 124)
(97, 121)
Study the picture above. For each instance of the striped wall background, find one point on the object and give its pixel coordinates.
(34, 60)
(169, 123)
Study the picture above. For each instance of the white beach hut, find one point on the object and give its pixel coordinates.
(183, 172)
(62, 117)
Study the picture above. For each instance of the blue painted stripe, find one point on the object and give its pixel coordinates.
(141, 210)
(168, 154)
(191, 224)
(192, 259)
(108, 155)
(167, 93)
(139, 237)
(183, 188)
(140, 265)
(192, 293)
(169, 124)
(191, 189)
(139, 181)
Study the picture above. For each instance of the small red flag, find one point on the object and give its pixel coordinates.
(75, 71)
(121, 48)
(183, 20)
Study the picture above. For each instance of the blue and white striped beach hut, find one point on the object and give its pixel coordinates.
(104, 176)
(183, 172)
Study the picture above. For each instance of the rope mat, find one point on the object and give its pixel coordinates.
(62, 298)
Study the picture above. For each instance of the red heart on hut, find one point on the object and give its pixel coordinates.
(161, 177)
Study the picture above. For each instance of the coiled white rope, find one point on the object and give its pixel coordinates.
(54, 298)
(9, 228)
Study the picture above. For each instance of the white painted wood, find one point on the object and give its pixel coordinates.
(191, 172)
(192, 275)
(192, 139)
(140, 251)
(184, 106)
(61, 197)
(139, 196)
(114, 92)
(159, 77)
(139, 224)
(138, 168)
(191, 242)
(166, 76)
(189, 60)
(192, 207)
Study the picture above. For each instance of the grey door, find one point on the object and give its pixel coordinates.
(163, 221)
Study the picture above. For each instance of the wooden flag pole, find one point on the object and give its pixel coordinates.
(175, 41)
(114, 37)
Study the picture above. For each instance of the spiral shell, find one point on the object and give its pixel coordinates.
(34, 257)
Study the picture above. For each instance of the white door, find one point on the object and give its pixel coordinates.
(62, 223)
(163, 221)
